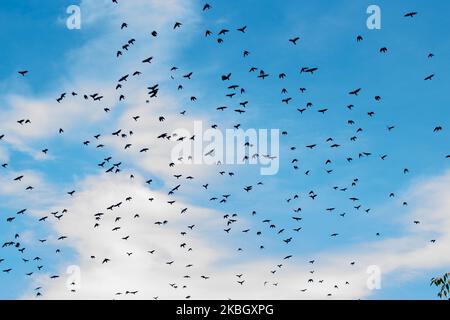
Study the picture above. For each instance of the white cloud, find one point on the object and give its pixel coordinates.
(41, 194)
(150, 275)
(89, 71)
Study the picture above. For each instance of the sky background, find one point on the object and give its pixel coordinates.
(59, 60)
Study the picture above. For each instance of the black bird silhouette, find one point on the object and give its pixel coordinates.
(294, 40)
(411, 14)
(355, 92)
(242, 29)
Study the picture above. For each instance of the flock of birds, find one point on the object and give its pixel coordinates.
(112, 166)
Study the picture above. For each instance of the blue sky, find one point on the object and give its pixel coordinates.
(60, 60)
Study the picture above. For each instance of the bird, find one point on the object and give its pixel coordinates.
(147, 60)
(411, 14)
(294, 40)
(226, 77)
